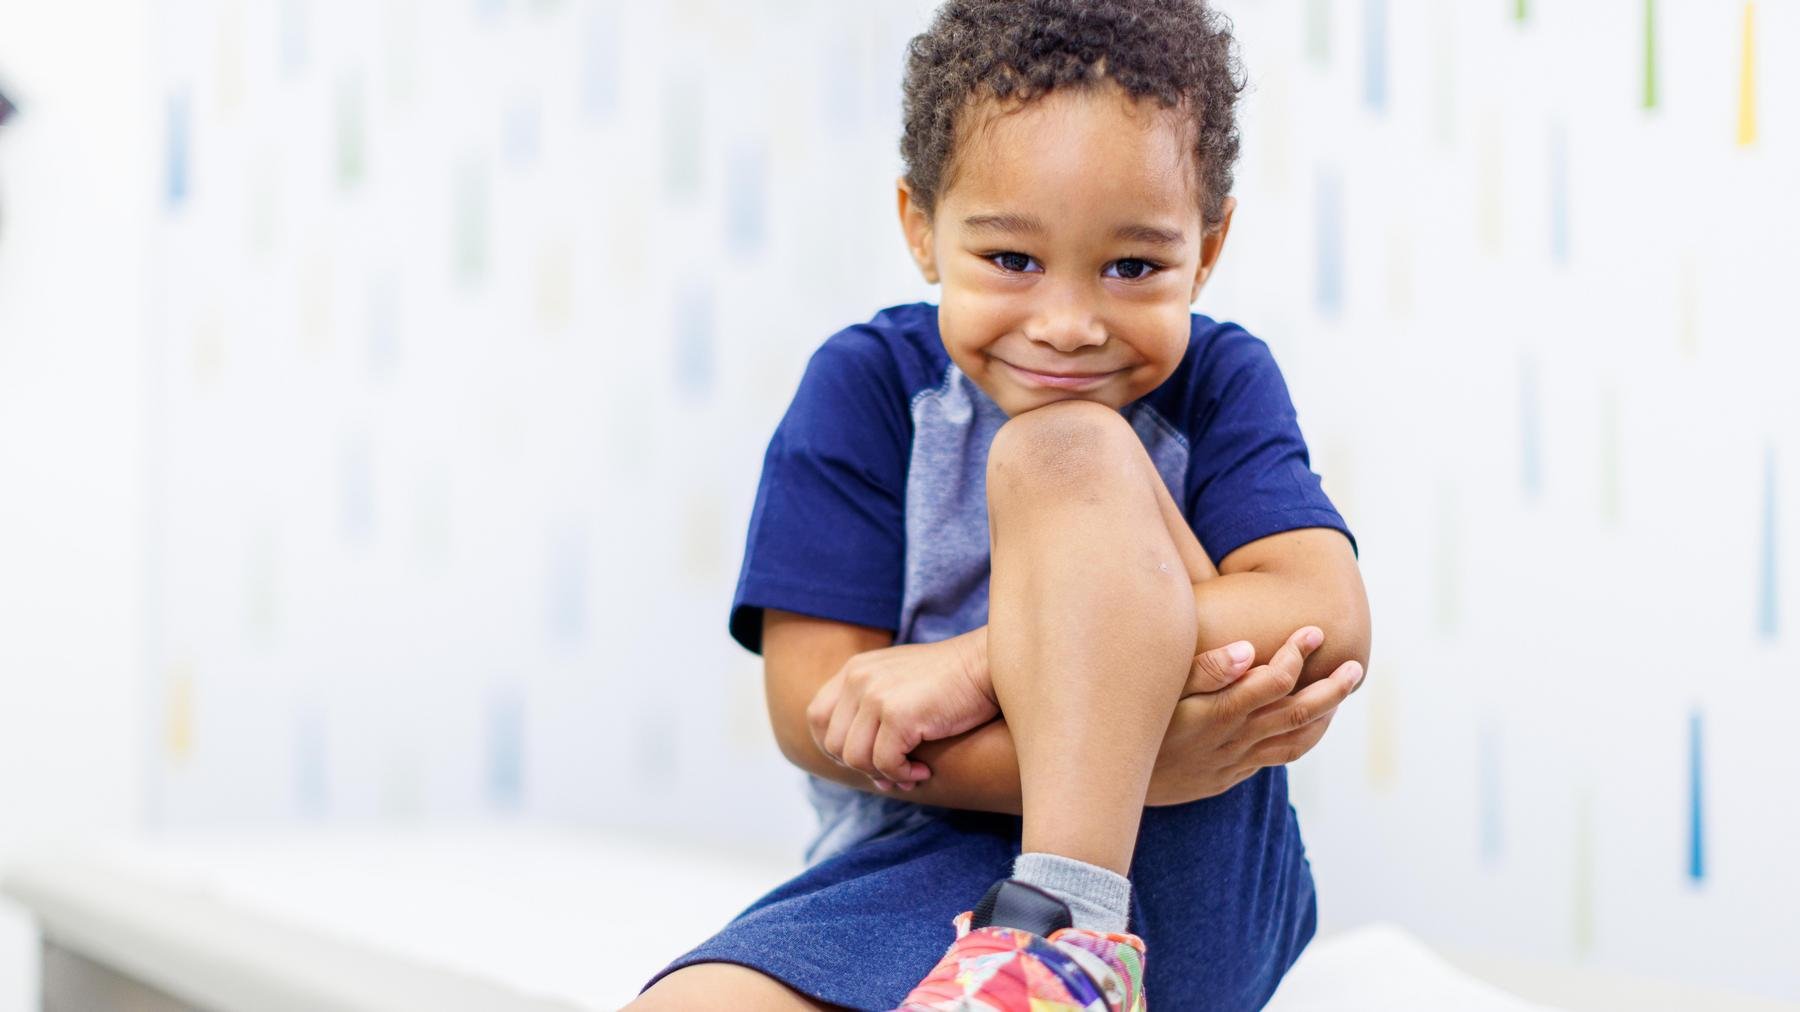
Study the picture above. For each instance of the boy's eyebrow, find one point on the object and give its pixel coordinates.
(1020, 224)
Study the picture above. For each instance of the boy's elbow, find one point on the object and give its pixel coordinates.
(793, 736)
(1346, 627)
(1347, 637)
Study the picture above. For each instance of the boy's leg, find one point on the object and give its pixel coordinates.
(724, 986)
(1091, 624)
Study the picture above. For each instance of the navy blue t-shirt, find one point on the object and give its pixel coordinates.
(878, 468)
(873, 503)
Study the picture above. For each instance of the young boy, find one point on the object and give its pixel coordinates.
(1059, 449)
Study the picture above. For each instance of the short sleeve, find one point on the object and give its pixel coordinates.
(1248, 471)
(827, 535)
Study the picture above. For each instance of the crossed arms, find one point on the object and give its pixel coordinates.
(1233, 720)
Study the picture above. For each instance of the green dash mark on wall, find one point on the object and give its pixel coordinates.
(469, 221)
(1649, 54)
(1519, 10)
(1696, 827)
(352, 132)
(1446, 601)
(1318, 32)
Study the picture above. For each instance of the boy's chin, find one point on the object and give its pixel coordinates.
(1016, 402)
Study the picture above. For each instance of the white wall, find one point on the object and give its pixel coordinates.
(423, 417)
(73, 200)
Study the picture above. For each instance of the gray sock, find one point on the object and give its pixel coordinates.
(1099, 899)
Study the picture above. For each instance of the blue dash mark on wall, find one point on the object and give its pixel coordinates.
(1768, 617)
(178, 148)
(1489, 759)
(600, 62)
(694, 340)
(1696, 826)
(1375, 61)
(1531, 464)
(293, 36)
(506, 742)
(1559, 193)
(519, 131)
(1329, 227)
(567, 586)
(746, 195)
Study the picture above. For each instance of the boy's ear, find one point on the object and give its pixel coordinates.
(1211, 245)
(915, 224)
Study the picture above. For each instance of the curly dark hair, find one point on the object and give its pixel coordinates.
(1177, 52)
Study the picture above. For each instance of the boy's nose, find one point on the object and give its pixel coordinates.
(1067, 327)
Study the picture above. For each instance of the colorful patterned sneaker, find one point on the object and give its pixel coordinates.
(1016, 952)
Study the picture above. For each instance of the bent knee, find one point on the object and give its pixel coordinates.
(1063, 443)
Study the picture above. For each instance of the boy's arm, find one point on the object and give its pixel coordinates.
(976, 770)
(1271, 586)
(1266, 589)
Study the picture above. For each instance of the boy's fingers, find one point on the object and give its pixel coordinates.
(823, 705)
(1220, 666)
(1313, 703)
(1286, 748)
(837, 729)
(890, 757)
(1292, 655)
(859, 744)
(1262, 686)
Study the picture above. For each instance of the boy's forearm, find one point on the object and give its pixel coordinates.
(976, 770)
(1266, 608)
(979, 769)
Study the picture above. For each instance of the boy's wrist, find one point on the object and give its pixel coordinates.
(974, 644)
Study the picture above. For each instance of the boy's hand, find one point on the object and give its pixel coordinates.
(883, 703)
(1230, 724)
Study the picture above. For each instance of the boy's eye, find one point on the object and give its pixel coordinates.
(1133, 269)
(1009, 261)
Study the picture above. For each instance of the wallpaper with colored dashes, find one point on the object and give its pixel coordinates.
(471, 322)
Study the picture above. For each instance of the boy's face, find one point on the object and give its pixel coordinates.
(1069, 244)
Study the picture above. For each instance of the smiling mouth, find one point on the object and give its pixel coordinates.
(1060, 380)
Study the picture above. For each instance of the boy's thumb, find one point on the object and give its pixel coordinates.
(1220, 666)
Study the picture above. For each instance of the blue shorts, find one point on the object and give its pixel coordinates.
(1221, 893)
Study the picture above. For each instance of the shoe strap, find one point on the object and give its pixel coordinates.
(1014, 904)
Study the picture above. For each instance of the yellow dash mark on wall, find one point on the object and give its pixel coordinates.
(1381, 732)
(180, 716)
(1448, 574)
(1400, 271)
(1687, 321)
(1746, 121)
(1583, 900)
(555, 284)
